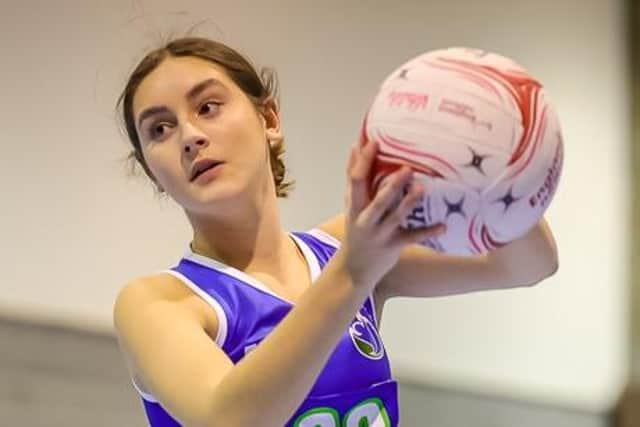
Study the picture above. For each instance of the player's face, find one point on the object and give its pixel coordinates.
(188, 110)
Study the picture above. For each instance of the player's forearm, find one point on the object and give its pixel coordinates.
(268, 385)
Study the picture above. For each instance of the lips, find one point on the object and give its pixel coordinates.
(202, 166)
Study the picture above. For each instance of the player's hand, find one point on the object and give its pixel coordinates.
(374, 237)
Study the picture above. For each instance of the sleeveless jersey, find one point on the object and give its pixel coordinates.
(354, 389)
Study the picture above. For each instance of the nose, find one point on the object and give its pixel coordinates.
(193, 138)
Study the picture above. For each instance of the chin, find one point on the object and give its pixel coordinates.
(215, 195)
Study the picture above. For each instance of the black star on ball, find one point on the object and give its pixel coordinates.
(476, 161)
(455, 208)
(508, 199)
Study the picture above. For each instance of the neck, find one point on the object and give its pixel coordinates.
(251, 238)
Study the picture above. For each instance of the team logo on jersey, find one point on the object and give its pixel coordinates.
(365, 338)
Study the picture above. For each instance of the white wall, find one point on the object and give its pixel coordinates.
(74, 229)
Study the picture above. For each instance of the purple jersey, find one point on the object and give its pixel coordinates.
(354, 388)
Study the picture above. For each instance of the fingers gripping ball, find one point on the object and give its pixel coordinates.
(480, 134)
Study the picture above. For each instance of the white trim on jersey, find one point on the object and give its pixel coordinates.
(312, 260)
(312, 263)
(221, 336)
(146, 396)
(324, 237)
(226, 269)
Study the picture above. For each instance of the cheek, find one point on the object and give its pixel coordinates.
(246, 123)
(163, 164)
(244, 143)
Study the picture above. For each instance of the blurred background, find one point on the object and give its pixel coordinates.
(75, 227)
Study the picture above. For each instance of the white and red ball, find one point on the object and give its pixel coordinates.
(479, 131)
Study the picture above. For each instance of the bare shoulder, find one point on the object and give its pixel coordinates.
(159, 292)
(334, 227)
(145, 290)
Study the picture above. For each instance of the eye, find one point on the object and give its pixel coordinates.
(210, 107)
(158, 130)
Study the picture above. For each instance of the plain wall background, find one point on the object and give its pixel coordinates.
(75, 229)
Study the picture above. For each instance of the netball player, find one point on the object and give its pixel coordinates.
(255, 325)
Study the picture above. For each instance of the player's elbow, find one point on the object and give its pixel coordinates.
(550, 266)
(545, 270)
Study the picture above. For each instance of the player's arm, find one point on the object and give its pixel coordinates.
(421, 272)
(167, 340)
(168, 343)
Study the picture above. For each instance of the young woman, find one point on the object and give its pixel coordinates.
(255, 325)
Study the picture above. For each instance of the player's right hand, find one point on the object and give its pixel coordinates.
(374, 237)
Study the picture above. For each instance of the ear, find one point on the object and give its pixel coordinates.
(271, 121)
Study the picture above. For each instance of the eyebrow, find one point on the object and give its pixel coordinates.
(193, 93)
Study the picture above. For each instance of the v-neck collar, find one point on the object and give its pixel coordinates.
(312, 264)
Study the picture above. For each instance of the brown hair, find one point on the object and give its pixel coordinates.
(262, 90)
